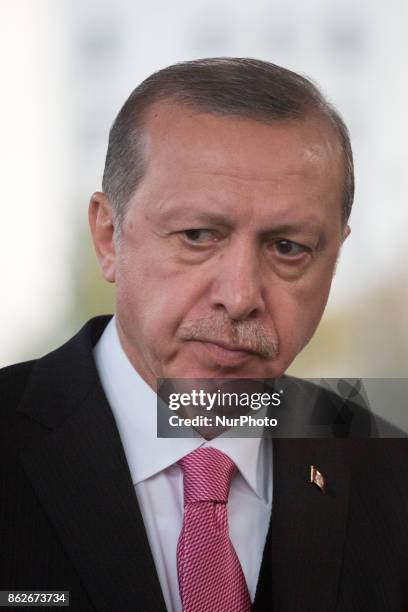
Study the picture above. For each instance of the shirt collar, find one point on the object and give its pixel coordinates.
(134, 406)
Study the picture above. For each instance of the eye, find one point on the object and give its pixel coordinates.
(198, 236)
(288, 248)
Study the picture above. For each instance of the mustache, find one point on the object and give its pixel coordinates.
(247, 335)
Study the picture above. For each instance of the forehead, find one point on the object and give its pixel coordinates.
(178, 130)
(189, 151)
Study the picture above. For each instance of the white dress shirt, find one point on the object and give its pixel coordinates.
(158, 481)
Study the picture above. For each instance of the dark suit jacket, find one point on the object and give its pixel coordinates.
(69, 517)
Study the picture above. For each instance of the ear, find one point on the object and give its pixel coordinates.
(346, 232)
(101, 221)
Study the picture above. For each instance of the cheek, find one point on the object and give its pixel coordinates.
(297, 310)
(155, 298)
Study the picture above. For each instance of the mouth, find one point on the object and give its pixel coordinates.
(227, 354)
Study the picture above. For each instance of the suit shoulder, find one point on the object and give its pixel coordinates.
(13, 381)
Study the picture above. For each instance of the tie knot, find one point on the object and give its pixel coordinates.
(207, 475)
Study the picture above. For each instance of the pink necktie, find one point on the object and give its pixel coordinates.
(209, 573)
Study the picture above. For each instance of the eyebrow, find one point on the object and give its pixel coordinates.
(297, 227)
(170, 210)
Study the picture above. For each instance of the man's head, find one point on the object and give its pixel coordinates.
(227, 188)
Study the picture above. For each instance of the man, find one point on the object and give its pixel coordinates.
(227, 191)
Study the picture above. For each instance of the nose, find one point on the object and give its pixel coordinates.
(237, 286)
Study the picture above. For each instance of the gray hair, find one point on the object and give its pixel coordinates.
(241, 87)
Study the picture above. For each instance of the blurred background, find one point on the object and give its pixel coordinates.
(68, 65)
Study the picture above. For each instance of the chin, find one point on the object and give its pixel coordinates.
(200, 372)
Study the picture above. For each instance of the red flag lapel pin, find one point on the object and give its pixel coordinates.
(317, 478)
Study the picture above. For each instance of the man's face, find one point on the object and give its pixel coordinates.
(228, 246)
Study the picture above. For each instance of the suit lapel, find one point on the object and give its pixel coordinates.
(79, 472)
(303, 552)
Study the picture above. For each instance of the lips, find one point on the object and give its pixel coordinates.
(227, 354)
(229, 347)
